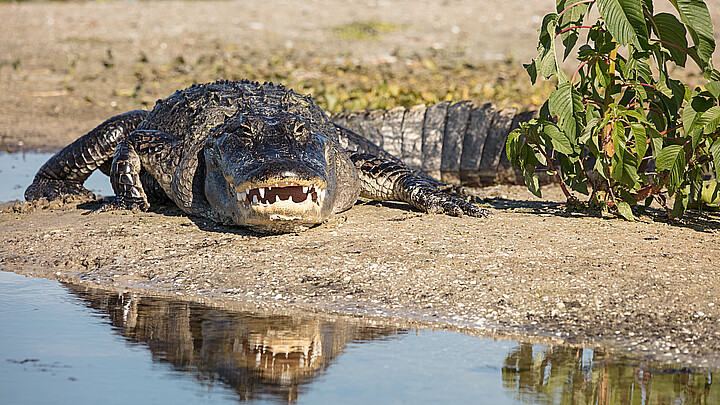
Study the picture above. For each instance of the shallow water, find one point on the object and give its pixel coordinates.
(17, 171)
(67, 344)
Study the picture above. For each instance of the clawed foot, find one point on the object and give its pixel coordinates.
(439, 202)
(120, 203)
(52, 189)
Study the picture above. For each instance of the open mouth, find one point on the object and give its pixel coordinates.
(281, 193)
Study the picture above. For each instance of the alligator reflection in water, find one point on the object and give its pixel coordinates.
(255, 355)
(564, 374)
(279, 358)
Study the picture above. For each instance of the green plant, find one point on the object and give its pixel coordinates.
(620, 124)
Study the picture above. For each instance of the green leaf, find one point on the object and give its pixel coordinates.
(656, 140)
(714, 88)
(638, 116)
(625, 21)
(576, 180)
(696, 135)
(638, 131)
(696, 184)
(637, 68)
(709, 120)
(572, 18)
(672, 159)
(602, 73)
(671, 30)
(531, 69)
(565, 102)
(714, 75)
(531, 180)
(680, 205)
(512, 147)
(558, 139)
(625, 211)
(588, 131)
(624, 168)
(663, 87)
(705, 121)
(715, 152)
(693, 110)
(546, 62)
(710, 190)
(618, 137)
(694, 13)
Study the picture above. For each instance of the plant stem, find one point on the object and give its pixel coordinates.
(573, 5)
(640, 84)
(674, 46)
(551, 167)
(572, 28)
(669, 129)
(580, 67)
(611, 73)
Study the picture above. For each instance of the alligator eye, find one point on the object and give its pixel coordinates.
(299, 128)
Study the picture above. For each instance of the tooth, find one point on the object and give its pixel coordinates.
(262, 192)
(242, 196)
(255, 199)
(269, 188)
(290, 199)
(305, 189)
(277, 198)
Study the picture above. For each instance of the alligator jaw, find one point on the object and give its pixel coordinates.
(283, 193)
(281, 205)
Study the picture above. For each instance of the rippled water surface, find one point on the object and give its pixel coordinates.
(66, 344)
(17, 171)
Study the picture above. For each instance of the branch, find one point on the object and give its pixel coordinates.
(571, 198)
(573, 5)
(580, 67)
(572, 28)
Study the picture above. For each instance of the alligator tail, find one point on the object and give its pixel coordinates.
(458, 143)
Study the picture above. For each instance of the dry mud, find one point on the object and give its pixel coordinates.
(649, 288)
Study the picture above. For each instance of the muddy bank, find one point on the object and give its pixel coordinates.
(646, 287)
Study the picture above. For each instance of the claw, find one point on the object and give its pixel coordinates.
(119, 204)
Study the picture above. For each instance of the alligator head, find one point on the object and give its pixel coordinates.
(275, 173)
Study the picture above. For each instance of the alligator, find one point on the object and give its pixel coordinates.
(241, 153)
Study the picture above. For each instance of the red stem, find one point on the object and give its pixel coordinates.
(673, 45)
(640, 84)
(580, 67)
(670, 129)
(573, 5)
(572, 28)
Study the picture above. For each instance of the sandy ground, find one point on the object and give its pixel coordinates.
(649, 288)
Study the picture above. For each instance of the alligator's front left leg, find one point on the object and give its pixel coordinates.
(65, 172)
(144, 152)
(387, 180)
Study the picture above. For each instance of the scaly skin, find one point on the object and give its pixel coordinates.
(241, 153)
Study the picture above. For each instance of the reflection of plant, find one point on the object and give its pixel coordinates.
(565, 375)
(620, 115)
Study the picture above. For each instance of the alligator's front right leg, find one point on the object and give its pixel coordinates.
(65, 172)
(388, 180)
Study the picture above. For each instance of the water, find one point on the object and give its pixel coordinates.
(17, 171)
(66, 344)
